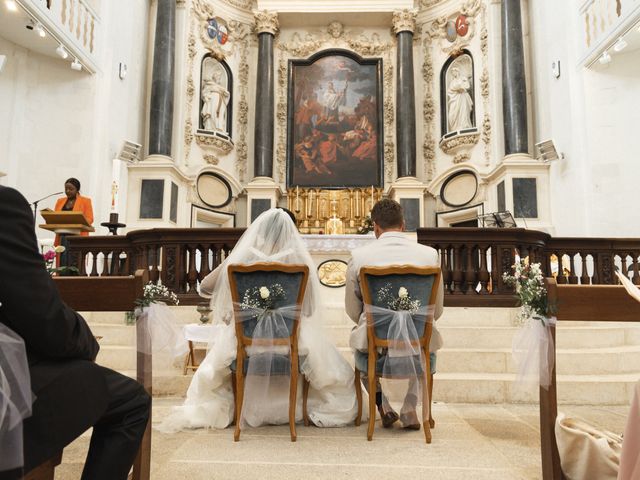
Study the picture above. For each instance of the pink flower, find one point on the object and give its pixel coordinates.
(49, 255)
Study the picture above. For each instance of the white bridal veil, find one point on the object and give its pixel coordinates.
(272, 237)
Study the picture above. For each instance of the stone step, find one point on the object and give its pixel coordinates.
(114, 334)
(475, 388)
(596, 361)
(567, 336)
(501, 388)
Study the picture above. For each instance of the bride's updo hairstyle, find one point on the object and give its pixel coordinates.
(387, 214)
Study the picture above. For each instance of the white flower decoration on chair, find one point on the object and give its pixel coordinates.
(262, 297)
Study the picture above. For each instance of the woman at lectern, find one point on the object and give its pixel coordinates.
(76, 203)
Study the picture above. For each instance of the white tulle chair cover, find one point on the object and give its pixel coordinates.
(403, 360)
(15, 397)
(266, 393)
(533, 352)
(159, 324)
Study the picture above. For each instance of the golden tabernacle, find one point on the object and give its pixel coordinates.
(332, 212)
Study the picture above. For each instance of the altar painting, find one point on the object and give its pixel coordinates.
(335, 121)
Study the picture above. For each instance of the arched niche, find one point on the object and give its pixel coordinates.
(457, 95)
(216, 97)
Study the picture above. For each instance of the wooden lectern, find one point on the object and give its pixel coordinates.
(65, 222)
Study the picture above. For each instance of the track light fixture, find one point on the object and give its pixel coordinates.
(620, 45)
(62, 52)
(40, 30)
(605, 58)
(76, 65)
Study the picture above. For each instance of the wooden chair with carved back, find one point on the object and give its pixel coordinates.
(421, 284)
(250, 278)
(586, 303)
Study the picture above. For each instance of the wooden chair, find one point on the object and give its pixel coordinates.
(109, 294)
(422, 283)
(590, 303)
(293, 279)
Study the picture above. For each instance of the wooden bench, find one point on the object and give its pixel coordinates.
(109, 294)
(590, 303)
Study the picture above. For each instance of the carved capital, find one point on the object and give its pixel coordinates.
(404, 21)
(265, 22)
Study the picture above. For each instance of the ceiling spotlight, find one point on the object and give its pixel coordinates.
(605, 58)
(620, 45)
(62, 51)
(76, 65)
(40, 30)
(11, 5)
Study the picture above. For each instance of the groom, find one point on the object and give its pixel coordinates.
(391, 248)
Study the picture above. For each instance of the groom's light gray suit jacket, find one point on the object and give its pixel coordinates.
(392, 248)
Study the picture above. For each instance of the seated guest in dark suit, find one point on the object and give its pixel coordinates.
(72, 393)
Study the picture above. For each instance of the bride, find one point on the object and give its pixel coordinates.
(272, 237)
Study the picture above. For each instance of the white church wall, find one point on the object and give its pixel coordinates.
(57, 123)
(586, 112)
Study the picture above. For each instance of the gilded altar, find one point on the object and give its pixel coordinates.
(332, 212)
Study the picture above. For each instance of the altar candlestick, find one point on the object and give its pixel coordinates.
(371, 197)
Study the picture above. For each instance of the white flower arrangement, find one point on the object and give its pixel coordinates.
(263, 297)
(155, 293)
(528, 281)
(403, 301)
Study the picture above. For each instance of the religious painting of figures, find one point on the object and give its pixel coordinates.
(335, 121)
(215, 97)
(457, 95)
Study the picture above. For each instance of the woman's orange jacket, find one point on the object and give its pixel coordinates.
(83, 204)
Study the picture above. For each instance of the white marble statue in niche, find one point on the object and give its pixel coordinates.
(215, 96)
(459, 81)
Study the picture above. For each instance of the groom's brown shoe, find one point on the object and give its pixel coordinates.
(410, 420)
(388, 418)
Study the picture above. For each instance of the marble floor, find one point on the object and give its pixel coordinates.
(470, 442)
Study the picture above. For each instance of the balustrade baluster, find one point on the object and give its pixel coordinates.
(562, 278)
(573, 278)
(94, 263)
(495, 273)
(154, 272)
(483, 274)
(584, 276)
(445, 265)
(192, 273)
(457, 270)
(204, 262)
(636, 268)
(470, 270)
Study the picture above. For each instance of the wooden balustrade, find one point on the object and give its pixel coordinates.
(180, 258)
(472, 259)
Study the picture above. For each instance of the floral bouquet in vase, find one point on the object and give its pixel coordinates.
(533, 349)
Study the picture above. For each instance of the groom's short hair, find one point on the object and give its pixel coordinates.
(387, 213)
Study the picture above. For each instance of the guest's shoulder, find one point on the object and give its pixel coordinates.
(11, 196)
